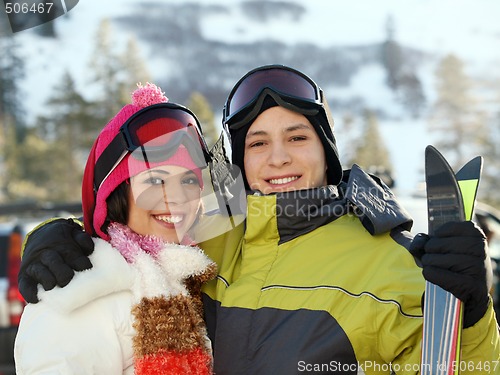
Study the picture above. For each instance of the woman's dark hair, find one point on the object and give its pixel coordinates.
(117, 203)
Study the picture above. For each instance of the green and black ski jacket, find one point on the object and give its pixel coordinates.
(319, 281)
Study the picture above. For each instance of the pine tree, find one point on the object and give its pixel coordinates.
(371, 152)
(11, 72)
(35, 170)
(115, 74)
(392, 56)
(136, 70)
(489, 191)
(455, 115)
(411, 94)
(107, 73)
(70, 130)
(486, 140)
(401, 75)
(347, 127)
(72, 119)
(2, 162)
(201, 107)
(12, 126)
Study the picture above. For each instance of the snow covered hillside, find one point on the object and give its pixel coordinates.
(229, 32)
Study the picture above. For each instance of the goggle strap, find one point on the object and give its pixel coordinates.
(108, 160)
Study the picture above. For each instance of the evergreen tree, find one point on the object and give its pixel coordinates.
(411, 94)
(3, 171)
(401, 76)
(134, 70)
(11, 72)
(72, 119)
(348, 128)
(392, 56)
(35, 170)
(490, 179)
(12, 127)
(371, 152)
(487, 139)
(107, 73)
(201, 107)
(134, 66)
(454, 115)
(70, 131)
(115, 74)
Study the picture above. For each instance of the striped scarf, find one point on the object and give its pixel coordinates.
(170, 334)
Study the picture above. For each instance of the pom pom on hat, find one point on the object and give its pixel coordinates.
(148, 95)
(94, 203)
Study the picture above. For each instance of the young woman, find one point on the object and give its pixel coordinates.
(138, 308)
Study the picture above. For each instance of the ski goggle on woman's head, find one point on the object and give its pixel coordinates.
(289, 87)
(160, 134)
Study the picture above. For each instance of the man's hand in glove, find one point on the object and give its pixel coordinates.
(52, 254)
(455, 258)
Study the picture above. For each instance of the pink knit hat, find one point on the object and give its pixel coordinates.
(158, 130)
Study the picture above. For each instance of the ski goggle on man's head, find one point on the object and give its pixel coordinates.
(289, 87)
(152, 136)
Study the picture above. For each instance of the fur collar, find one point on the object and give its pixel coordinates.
(144, 265)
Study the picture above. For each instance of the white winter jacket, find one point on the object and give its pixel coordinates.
(86, 327)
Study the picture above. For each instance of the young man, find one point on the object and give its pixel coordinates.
(320, 277)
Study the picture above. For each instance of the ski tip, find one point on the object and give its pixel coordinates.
(433, 152)
(435, 162)
(430, 149)
(471, 170)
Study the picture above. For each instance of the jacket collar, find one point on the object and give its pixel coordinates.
(302, 211)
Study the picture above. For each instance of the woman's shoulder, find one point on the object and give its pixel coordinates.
(110, 273)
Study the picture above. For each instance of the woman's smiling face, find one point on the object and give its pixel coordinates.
(164, 202)
(283, 152)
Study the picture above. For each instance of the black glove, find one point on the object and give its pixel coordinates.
(52, 253)
(455, 258)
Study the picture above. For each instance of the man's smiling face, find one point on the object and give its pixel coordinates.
(283, 153)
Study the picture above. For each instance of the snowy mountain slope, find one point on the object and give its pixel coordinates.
(466, 27)
(228, 38)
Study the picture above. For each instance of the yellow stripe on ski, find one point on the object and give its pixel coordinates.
(468, 189)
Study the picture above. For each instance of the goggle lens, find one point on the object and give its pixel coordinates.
(152, 126)
(166, 146)
(153, 135)
(283, 80)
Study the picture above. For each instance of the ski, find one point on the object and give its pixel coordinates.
(450, 197)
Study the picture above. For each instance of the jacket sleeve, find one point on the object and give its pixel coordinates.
(84, 341)
(481, 346)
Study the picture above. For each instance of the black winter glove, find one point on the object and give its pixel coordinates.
(455, 258)
(52, 252)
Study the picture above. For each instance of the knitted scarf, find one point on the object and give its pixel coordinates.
(170, 334)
